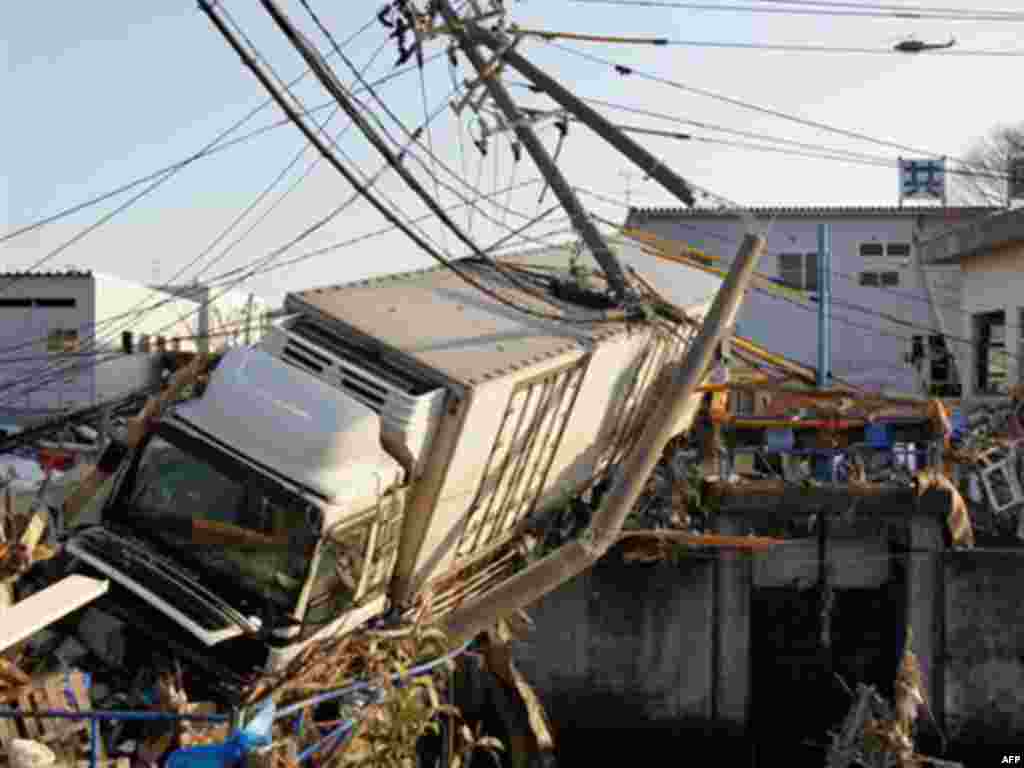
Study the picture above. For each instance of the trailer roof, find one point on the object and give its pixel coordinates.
(434, 317)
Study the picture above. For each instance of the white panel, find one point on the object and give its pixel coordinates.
(40, 610)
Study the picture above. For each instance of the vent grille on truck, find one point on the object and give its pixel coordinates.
(410, 408)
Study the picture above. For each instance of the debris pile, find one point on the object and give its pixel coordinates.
(877, 734)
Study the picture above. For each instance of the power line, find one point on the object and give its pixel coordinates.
(359, 190)
(885, 7)
(625, 71)
(244, 213)
(992, 16)
(850, 305)
(290, 262)
(81, 368)
(837, 153)
(308, 232)
(786, 47)
(330, 82)
(215, 147)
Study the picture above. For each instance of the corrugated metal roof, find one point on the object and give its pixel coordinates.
(443, 323)
(815, 211)
(65, 273)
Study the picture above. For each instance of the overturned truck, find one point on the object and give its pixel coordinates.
(380, 452)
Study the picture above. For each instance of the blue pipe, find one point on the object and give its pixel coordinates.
(345, 729)
(362, 686)
(111, 714)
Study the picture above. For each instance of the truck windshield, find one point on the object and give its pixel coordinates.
(222, 516)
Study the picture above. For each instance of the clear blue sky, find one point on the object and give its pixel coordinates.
(99, 93)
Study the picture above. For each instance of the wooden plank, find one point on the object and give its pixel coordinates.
(757, 543)
(40, 610)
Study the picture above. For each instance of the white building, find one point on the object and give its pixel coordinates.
(63, 341)
(988, 257)
(893, 318)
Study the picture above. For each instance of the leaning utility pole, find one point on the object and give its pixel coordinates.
(677, 402)
(489, 76)
(643, 159)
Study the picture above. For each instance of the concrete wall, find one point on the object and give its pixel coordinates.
(668, 647)
(873, 358)
(626, 648)
(983, 675)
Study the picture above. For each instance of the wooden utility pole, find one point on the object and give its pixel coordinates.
(644, 160)
(491, 80)
(577, 556)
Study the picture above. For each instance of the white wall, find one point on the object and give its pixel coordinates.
(995, 282)
(28, 371)
(124, 305)
(872, 356)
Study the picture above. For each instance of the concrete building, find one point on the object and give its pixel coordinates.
(72, 339)
(988, 256)
(892, 316)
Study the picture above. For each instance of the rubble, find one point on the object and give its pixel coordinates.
(877, 734)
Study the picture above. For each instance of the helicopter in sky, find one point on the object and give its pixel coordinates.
(916, 46)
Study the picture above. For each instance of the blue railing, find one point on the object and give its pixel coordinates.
(255, 733)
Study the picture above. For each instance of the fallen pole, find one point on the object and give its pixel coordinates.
(678, 403)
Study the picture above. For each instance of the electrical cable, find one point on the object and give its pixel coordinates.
(995, 16)
(159, 181)
(291, 262)
(308, 232)
(215, 147)
(885, 7)
(868, 159)
(838, 273)
(331, 83)
(80, 368)
(248, 209)
(850, 305)
(783, 47)
(625, 71)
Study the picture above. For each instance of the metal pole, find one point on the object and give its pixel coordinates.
(823, 467)
(824, 308)
(644, 160)
(679, 401)
(203, 342)
(524, 132)
(248, 320)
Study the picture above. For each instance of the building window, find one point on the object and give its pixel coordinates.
(898, 251)
(799, 270)
(25, 303)
(872, 250)
(62, 341)
(876, 279)
(869, 278)
(890, 278)
(991, 353)
(879, 262)
(936, 361)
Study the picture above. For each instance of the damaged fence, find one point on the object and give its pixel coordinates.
(40, 703)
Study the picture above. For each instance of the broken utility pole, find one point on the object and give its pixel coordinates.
(679, 401)
(524, 132)
(643, 159)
